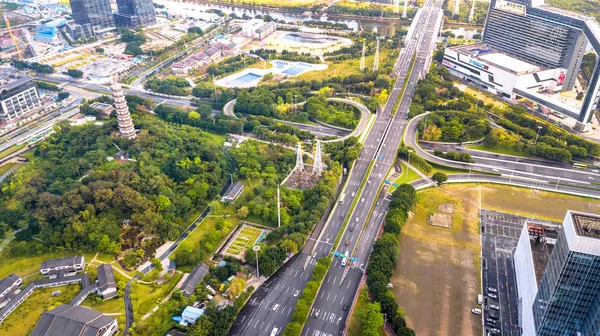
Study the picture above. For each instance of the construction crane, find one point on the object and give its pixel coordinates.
(12, 37)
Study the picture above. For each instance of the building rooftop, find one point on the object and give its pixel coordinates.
(509, 62)
(106, 277)
(71, 320)
(234, 189)
(189, 285)
(586, 225)
(8, 282)
(61, 262)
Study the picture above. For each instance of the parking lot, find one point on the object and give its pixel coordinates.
(499, 236)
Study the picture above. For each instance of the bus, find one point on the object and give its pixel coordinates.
(342, 198)
(579, 165)
(274, 332)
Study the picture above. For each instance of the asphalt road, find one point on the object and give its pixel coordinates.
(539, 169)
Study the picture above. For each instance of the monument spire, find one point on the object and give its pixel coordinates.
(126, 128)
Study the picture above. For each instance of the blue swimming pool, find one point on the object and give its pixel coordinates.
(280, 64)
(244, 80)
(296, 69)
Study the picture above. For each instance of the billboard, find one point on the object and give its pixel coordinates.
(561, 77)
(449, 64)
(478, 64)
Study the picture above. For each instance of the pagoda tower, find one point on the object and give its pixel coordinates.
(126, 127)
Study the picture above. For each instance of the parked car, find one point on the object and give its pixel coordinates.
(494, 307)
(476, 311)
(492, 295)
(492, 289)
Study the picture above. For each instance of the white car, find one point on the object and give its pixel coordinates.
(476, 311)
(296, 292)
(492, 295)
(494, 307)
(492, 289)
(595, 170)
(275, 307)
(590, 178)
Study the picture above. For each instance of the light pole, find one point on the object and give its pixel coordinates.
(215, 88)
(537, 134)
(256, 248)
(295, 97)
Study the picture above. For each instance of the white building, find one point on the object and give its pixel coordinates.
(18, 96)
(249, 28)
(507, 76)
(66, 264)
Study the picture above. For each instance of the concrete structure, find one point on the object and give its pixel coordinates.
(265, 30)
(189, 285)
(305, 43)
(79, 31)
(249, 27)
(8, 285)
(133, 13)
(107, 286)
(96, 13)
(548, 37)
(65, 264)
(233, 192)
(18, 96)
(566, 301)
(126, 127)
(104, 110)
(48, 32)
(75, 320)
(214, 54)
(190, 315)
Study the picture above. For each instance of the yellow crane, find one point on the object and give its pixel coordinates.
(12, 37)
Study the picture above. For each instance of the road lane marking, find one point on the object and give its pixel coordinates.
(322, 293)
(328, 296)
(289, 311)
(342, 300)
(349, 284)
(255, 324)
(261, 325)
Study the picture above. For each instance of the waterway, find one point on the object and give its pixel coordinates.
(384, 27)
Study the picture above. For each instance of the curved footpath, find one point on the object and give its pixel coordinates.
(506, 168)
(362, 124)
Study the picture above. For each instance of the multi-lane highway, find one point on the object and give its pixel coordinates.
(327, 316)
(272, 304)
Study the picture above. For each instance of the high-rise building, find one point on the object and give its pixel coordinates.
(542, 41)
(133, 13)
(567, 301)
(96, 13)
(18, 96)
(126, 127)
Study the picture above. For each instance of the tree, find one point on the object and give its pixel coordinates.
(439, 177)
(157, 264)
(236, 287)
(243, 212)
(75, 73)
(371, 319)
(184, 255)
(100, 50)
(289, 246)
(63, 95)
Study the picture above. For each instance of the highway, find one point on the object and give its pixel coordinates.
(329, 313)
(550, 172)
(272, 304)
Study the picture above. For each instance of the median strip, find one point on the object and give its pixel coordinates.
(404, 85)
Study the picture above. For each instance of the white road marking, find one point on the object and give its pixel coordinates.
(261, 325)
(322, 293)
(349, 282)
(289, 311)
(328, 296)
(342, 300)
(255, 324)
(335, 297)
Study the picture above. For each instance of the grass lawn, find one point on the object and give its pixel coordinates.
(405, 177)
(6, 167)
(501, 150)
(11, 150)
(344, 68)
(446, 170)
(25, 317)
(486, 98)
(145, 297)
(354, 325)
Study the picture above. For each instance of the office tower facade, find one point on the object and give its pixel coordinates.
(18, 96)
(133, 13)
(540, 41)
(126, 128)
(96, 13)
(568, 299)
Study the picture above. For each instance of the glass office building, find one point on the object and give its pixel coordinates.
(133, 13)
(97, 13)
(516, 28)
(568, 299)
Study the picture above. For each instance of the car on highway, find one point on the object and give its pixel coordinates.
(275, 307)
(362, 200)
(595, 170)
(492, 295)
(345, 307)
(347, 242)
(351, 229)
(342, 217)
(296, 292)
(378, 203)
(495, 170)
(353, 194)
(590, 178)
(493, 306)
(316, 314)
(476, 311)
(492, 289)
(356, 220)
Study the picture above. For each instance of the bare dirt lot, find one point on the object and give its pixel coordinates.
(437, 276)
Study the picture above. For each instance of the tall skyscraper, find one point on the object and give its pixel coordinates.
(543, 40)
(133, 13)
(97, 13)
(567, 301)
(126, 127)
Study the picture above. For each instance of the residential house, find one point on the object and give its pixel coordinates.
(75, 320)
(189, 285)
(66, 264)
(107, 287)
(190, 315)
(8, 285)
(233, 192)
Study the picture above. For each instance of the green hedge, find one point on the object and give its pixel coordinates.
(302, 309)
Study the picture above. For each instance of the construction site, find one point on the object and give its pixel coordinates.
(306, 176)
(15, 43)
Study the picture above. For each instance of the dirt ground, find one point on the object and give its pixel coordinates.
(437, 276)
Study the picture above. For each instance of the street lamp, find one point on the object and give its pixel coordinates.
(256, 248)
(295, 97)
(537, 134)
